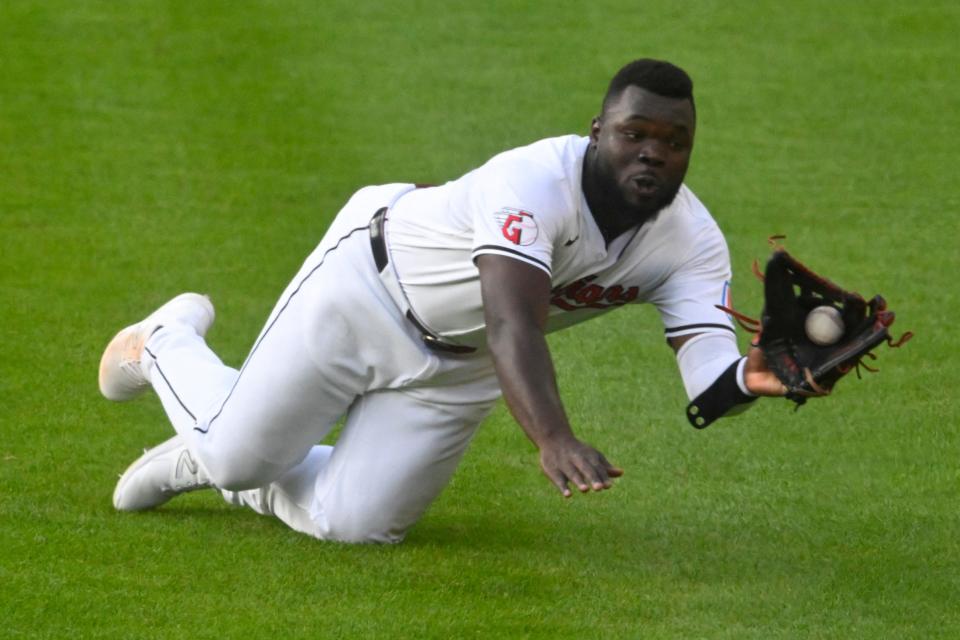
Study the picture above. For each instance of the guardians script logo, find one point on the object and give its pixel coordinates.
(582, 294)
(517, 226)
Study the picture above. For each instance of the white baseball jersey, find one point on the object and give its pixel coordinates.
(528, 204)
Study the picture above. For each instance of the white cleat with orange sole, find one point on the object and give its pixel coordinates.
(121, 374)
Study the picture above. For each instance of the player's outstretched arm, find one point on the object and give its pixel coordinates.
(757, 377)
(719, 381)
(516, 300)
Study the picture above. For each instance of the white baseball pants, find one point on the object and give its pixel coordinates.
(336, 344)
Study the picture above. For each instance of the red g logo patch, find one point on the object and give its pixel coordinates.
(517, 226)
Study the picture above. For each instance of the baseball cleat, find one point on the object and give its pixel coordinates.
(159, 475)
(121, 376)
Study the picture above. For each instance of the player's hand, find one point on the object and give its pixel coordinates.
(568, 460)
(758, 378)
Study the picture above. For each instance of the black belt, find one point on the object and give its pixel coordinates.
(378, 245)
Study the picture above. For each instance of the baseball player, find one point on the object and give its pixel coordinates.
(422, 305)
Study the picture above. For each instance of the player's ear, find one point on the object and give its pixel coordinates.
(595, 128)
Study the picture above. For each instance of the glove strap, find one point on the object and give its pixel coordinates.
(718, 399)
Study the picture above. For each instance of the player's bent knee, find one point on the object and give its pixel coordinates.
(363, 536)
(240, 475)
(350, 528)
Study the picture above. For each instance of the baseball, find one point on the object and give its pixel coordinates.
(824, 325)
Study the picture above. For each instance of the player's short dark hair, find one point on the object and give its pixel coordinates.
(656, 76)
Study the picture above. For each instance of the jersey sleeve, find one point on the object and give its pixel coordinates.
(688, 299)
(516, 214)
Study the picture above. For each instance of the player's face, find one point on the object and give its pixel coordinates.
(643, 143)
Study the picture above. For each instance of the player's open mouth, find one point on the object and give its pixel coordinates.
(646, 185)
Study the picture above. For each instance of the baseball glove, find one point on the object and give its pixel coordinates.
(805, 368)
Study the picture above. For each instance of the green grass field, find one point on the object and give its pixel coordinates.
(152, 147)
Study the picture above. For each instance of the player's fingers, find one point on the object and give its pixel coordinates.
(593, 472)
(576, 476)
(612, 471)
(571, 467)
(606, 471)
(559, 481)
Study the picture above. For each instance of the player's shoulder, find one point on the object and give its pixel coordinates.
(688, 226)
(545, 150)
(542, 162)
(689, 207)
(688, 216)
(544, 174)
